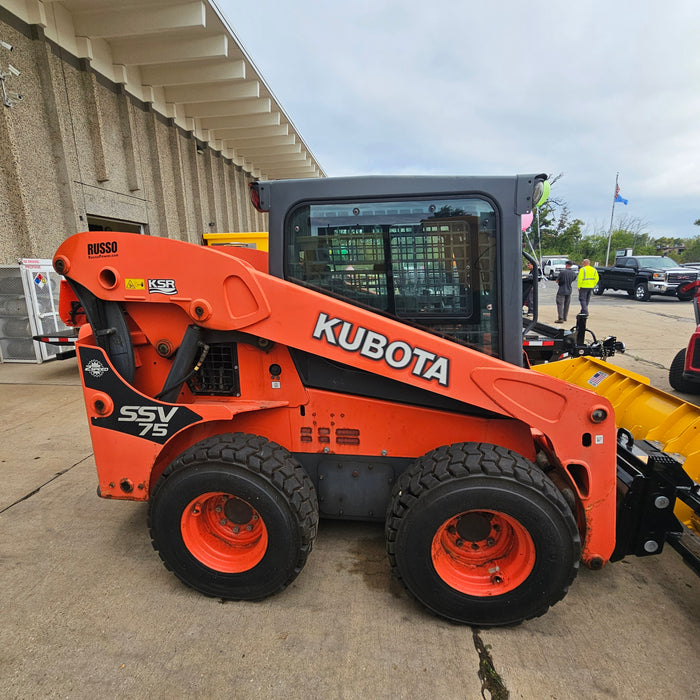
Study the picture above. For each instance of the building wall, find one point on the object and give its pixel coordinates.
(77, 145)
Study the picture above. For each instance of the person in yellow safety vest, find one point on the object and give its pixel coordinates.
(587, 279)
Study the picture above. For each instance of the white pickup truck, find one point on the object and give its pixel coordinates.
(552, 266)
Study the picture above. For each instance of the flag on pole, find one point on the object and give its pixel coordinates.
(618, 198)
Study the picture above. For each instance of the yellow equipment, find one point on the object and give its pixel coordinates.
(646, 412)
(245, 239)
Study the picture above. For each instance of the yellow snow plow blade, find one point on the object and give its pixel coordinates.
(648, 413)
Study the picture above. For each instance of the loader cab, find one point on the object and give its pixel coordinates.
(443, 254)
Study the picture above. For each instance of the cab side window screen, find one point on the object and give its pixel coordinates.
(430, 262)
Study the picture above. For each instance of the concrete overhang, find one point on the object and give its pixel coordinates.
(183, 58)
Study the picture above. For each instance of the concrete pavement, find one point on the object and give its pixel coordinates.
(88, 610)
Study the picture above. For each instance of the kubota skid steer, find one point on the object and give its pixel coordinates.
(369, 368)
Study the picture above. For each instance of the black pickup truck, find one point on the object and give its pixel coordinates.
(643, 275)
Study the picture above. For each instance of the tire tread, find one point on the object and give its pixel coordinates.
(466, 460)
(267, 459)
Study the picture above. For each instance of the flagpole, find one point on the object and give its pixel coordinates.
(612, 214)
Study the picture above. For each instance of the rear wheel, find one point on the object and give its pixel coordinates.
(479, 535)
(234, 516)
(676, 378)
(641, 292)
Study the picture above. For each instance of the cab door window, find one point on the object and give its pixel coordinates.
(429, 262)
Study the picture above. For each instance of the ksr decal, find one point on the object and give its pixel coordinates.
(162, 286)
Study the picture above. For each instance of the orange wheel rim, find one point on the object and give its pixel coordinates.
(483, 553)
(223, 532)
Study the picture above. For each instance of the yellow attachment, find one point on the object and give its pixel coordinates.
(246, 239)
(648, 413)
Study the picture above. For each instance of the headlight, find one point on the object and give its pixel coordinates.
(660, 276)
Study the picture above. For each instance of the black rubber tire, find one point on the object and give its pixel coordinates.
(641, 292)
(676, 378)
(454, 479)
(686, 296)
(598, 289)
(263, 474)
(630, 293)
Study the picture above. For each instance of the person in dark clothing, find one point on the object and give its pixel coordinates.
(529, 288)
(564, 280)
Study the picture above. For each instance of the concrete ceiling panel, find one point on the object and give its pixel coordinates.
(211, 92)
(116, 22)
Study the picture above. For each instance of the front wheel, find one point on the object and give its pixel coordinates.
(676, 378)
(480, 536)
(641, 292)
(598, 289)
(234, 517)
(686, 296)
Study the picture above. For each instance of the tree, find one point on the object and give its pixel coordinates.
(692, 250)
(448, 211)
(554, 232)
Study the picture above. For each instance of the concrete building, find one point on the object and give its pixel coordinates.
(142, 116)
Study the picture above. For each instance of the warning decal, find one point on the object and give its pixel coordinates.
(135, 284)
(39, 279)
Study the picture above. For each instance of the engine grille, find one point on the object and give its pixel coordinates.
(675, 277)
(218, 375)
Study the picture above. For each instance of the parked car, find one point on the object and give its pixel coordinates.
(643, 275)
(551, 267)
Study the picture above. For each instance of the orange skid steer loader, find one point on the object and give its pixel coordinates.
(368, 367)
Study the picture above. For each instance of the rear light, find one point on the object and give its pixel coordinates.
(255, 196)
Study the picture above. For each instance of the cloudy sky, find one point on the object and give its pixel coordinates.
(587, 89)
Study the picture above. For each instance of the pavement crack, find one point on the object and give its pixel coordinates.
(46, 483)
(646, 362)
(491, 681)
